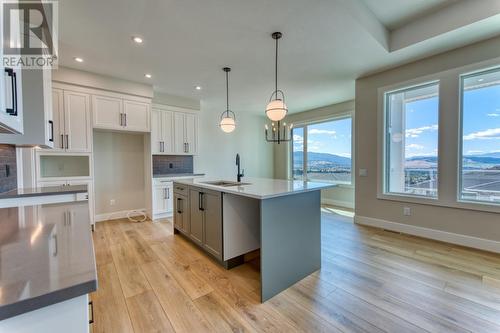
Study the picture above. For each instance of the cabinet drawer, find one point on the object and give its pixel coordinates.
(181, 189)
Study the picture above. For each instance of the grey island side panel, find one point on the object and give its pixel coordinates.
(290, 240)
(46, 256)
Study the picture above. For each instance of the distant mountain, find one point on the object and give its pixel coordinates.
(322, 157)
(493, 154)
(483, 161)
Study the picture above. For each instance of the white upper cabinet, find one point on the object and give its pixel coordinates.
(71, 121)
(121, 113)
(108, 112)
(162, 141)
(11, 101)
(137, 116)
(36, 101)
(78, 136)
(185, 133)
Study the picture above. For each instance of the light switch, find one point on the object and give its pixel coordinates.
(363, 172)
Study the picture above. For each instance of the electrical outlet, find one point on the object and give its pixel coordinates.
(112, 202)
(171, 165)
(406, 211)
(363, 172)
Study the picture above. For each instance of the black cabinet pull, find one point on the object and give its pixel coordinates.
(91, 304)
(51, 123)
(13, 81)
(179, 211)
(200, 201)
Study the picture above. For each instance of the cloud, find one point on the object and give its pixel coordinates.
(415, 132)
(298, 139)
(320, 131)
(492, 133)
(474, 152)
(414, 146)
(493, 114)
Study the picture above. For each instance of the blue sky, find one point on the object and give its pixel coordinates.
(481, 125)
(332, 137)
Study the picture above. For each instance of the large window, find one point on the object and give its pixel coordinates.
(411, 141)
(324, 151)
(480, 158)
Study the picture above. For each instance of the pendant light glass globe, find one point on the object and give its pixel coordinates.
(227, 124)
(276, 110)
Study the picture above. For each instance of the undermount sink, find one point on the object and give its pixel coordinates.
(225, 183)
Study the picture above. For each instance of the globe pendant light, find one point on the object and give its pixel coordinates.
(276, 109)
(227, 119)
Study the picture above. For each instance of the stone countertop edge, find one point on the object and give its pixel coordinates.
(45, 191)
(178, 175)
(38, 302)
(240, 190)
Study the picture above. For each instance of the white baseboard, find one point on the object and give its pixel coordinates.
(444, 236)
(339, 203)
(118, 215)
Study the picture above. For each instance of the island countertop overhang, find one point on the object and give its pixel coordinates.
(259, 188)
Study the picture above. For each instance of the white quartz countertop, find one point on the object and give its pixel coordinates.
(259, 188)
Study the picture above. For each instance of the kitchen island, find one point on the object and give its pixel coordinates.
(229, 219)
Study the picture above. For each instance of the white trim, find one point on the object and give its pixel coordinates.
(443, 236)
(165, 107)
(39, 200)
(339, 203)
(122, 214)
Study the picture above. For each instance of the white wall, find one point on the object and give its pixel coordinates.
(458, 223)
(218, 150)
(118, 171)
(343, 195)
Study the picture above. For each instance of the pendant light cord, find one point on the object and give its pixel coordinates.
(276, 70)
(227, 93)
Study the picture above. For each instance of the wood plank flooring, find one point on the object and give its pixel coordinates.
(371, 281)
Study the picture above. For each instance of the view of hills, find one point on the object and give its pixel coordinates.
(480, 161)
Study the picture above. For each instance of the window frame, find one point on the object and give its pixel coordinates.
(382, 178)
(459, 198)
(305, 125)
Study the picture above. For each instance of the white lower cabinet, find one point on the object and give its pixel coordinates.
(163, 199)
(68, 182)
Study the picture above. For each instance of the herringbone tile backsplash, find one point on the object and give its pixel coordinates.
(170, 164)
(8, 169)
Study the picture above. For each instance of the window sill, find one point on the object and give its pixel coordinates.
(459, 204)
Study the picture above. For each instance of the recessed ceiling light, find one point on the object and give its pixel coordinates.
(78, 59)
(137, 39)
(197, 88)
(148, 75)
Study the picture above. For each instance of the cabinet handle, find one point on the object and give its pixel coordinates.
(179, 211)
(187, 149)
(125, 115)
(67, 141)
(91, 304)
(62, 141)
(121, 119)
(51, 123)
(12, 111)
(55, 246)
(200, 201)
(168, 192)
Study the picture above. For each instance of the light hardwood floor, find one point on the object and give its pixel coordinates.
(371, 281)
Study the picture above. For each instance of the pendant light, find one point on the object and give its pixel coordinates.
(227, 119)
(276, 109)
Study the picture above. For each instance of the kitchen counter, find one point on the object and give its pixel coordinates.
(178, 175)
(260, 188)
(43, 191)
(46, 256)
(281, 218)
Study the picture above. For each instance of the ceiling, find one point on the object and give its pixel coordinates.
(326, 44)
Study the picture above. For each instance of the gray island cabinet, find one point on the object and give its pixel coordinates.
(228, 220)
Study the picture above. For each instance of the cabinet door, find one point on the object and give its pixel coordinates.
(137, 116)
(77, 122)
(169, 193)
(58, 118)
(90, 196)
(181, 213)
(196, 215)
(156, 132)
(167, 131)
(191, 133)
(212, 240)
(107, 112)
(11, 101)
(179, 129)
(159, 200)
